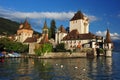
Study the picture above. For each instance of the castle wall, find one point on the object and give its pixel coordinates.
(59, 37)
(24, 34)
(81, 25)
(31, 48)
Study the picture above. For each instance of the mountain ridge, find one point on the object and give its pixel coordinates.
(10, 27)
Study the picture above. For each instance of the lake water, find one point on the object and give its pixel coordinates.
(61, 69)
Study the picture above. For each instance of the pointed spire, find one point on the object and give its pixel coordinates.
(26, 25)
(108, 38)
(45, 25)
(45, 39)
(62, 29)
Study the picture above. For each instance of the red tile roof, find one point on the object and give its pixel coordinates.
(25, 25)
(78, 15)
(62, 29)
(74, 35)
(108, 38)
(44, 40)
(30, 40)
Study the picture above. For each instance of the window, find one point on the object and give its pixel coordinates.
(75, 42)
(73, 21)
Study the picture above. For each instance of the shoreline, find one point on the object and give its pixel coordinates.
(60, 55)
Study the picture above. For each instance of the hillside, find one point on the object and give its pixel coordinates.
(116, 45)
(9, 27)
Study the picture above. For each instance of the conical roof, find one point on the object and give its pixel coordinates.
(108, 38)
(45, 39)
(62, 29)
(45, 25)
(26, 25)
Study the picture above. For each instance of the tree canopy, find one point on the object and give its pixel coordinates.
(9, 45)
(52, 29)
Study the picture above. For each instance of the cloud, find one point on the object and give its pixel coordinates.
(118, 15)
(11, 14)
(92, 18)
(40, 15)
(37, 18)
(114, 36)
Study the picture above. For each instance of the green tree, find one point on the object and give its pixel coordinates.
(47, 47)
(60, 47)
(49, 33)
(52, 29)
(9, 45)
(67, 29)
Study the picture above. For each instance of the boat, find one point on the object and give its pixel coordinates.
(2, 57)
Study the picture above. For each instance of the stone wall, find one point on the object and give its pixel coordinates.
(63, 55)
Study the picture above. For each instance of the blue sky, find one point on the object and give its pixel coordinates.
(103, 14)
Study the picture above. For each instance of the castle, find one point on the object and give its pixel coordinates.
(78, 37)
(25, 35)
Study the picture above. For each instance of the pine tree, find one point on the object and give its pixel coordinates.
(52, 29)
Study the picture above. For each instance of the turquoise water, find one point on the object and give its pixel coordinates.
(61, 69)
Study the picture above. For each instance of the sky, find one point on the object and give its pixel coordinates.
(103, 14)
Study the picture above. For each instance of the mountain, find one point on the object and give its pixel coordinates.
(10, 27)
(116, 45)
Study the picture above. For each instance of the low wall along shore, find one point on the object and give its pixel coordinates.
(63, 55)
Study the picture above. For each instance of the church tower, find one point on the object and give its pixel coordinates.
(44, 34)
(45, 29)
(24, 31)
(79, 22)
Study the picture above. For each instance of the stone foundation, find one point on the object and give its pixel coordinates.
(63, 55)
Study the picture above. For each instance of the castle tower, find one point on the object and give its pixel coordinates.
(108, 45)
(79, 22)
(24, 31)
(45, 29)
(44, 34)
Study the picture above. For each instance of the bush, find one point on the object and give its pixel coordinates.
(86, 50)
(38, 51)
(10, 45)
(101, 50)
(60, 47)
(44, 48)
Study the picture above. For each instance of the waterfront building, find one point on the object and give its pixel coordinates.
(44, 38)
(35, 42)
(108, 45)
(61, 32)
(79, 35)
(25, 31)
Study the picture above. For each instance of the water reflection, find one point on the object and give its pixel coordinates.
(59, 69)
(100, 68)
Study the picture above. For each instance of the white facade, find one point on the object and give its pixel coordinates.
(72, 44)
(25, 31)
(24, 34)
(82, 25)
(59, 36)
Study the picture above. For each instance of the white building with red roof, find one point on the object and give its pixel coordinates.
(79, 35)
